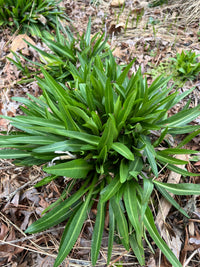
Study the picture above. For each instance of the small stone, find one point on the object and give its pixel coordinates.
(117, 3)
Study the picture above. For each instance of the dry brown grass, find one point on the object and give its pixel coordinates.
(189, 10)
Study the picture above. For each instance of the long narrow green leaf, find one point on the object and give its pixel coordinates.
(90, 98)
(62, 50)
(161, 137)
(54, 87)
(53, 217)
(107, 136)
(146, 194)
(77, 168)
(65, 194)
(151, 228)
(88, 138)
(98, 232)
(127, 108)
(188, 138)
(123, 150)
(36, 121)
(109, 102)
(69, 121)
(111, 189)
(103, 154)
(46, 180)
(123, 171)
(79, 112)
(138, 250)
(150, 153)
(135, 167)
(176, 151)
(13, 154)
(111, 233)
(45, 55)
(39, 140)
(51, 105)
(68, 145)
(180, 189)
(121, 222)
(152, 161)
(158, 83)
(181, 96)
(183, 129)
(74, 229)
(58, 213)
(168, 197)
(182, 117)
(167, 159)
(88, 32)
(181, 171)
(123, 75)
(130, 200)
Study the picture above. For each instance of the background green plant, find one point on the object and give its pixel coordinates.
(65, 50)
(108, 133)
(155, 3)
(31, 16)
(183, 67)
(186, 65)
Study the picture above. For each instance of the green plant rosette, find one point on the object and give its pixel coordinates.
(186, 65)
(109, 133)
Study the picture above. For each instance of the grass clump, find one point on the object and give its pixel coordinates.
(110, 132)
(32, 16)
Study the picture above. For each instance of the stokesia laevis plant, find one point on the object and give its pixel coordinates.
(111, 131)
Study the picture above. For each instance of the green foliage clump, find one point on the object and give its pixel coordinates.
(107, 132)
(186, 65)
(183, 67)
(30, 16)
(65, 52)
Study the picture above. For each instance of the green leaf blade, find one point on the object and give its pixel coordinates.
(77, 168)
(180, 189)
(151, 228)
(123, 150)
(70, 237)
(121, 222)
(111, 189)
(130, 200)
(98, 232)
(111, 233)
(13, 154)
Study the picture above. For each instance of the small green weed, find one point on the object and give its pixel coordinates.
(182, 68)
(185, 65)
(32, 16)
(153, 21)
(155, 3)
(111, 135)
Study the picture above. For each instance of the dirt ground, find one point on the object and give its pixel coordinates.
(151, 35)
